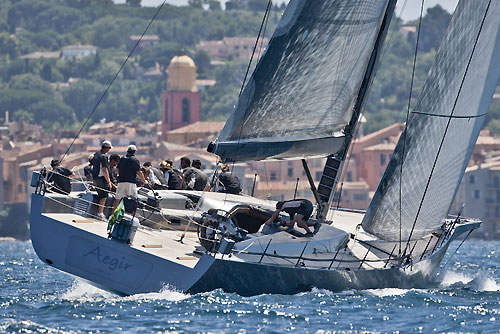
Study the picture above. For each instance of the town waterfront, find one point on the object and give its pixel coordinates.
(35, 298)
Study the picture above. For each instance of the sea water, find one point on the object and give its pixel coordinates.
(35, 298)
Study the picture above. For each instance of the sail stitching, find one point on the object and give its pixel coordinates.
(448, 116)
(447, 125)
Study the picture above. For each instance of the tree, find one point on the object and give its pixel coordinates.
(202, 61)
(434, 25)
(134, 3)
(52, 114)
(46, 39)
(214, 5)
(82, 96)
(234, 5)
(195, 3)
(8, 45)
(257, 5)
(161, 53)
(30, 82)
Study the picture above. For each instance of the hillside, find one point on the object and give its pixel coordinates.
(60, 93)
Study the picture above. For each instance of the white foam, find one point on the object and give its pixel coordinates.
(167, 293)
(451, 277)
(83, 292)
(481, 282)
(27, 326)
(387, 292)
(484, 283)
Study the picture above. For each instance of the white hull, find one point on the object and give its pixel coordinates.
(82, 249)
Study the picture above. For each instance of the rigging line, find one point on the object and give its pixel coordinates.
(456, 250)
(406, 125)
(112, 81)
(264, 20)
(448, 124)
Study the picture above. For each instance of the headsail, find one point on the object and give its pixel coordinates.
(303, 90)
(454, 100)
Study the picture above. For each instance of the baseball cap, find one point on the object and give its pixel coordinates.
(131, 148)
(107, 143)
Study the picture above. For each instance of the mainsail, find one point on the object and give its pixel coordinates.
(442, 130)
(303, 90)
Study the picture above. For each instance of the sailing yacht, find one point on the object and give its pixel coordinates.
(304, 100)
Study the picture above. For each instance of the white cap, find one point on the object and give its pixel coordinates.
(131, 148)
(106, 143)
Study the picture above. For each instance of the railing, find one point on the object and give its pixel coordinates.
(393, 259)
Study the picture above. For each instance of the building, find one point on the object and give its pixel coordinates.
(181, 101)
(78, 51)
(198, 134)
(405, 30)
(479, 197)
(236, 47)
(146, 42)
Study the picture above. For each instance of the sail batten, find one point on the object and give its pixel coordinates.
(306, 84)
(441, 133)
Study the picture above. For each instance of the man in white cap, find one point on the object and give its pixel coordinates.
(128, 169)
(101, 176)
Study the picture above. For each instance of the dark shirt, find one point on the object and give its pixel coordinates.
(175, 180)
(87, 171)
(128, 166)
(292, 207)
(60, 176)
(112, 176)
(100, 161)
(200, 178)
(230, 182)
(159, 175)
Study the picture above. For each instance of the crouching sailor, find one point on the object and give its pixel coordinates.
(300, 211)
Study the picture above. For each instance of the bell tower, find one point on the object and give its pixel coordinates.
(181, 101)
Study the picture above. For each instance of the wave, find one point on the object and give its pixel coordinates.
(480, 282)
(83, 292)
(388, 292)
(26, 326)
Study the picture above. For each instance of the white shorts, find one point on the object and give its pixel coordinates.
(126, 189)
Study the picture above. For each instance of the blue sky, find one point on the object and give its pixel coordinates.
(411, 11)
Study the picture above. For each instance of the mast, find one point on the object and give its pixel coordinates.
(335, 163)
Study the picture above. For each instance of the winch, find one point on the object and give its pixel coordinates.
(214, 228)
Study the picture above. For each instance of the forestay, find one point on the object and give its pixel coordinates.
(425, 204)
(303, 89)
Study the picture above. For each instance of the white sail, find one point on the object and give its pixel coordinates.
(304, 88)
(452, 105)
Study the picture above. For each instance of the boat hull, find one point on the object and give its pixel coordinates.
(251, 278)
(129, 270)
(105, 263)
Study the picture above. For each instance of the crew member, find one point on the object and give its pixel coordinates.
(229, 183)
(113, 162)
(87, 170)
(60, 176)
(157, 177)
(128, 170)
(185, 163)
(300, 211)
(194, 178)
(101, 176)
(174, 177)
